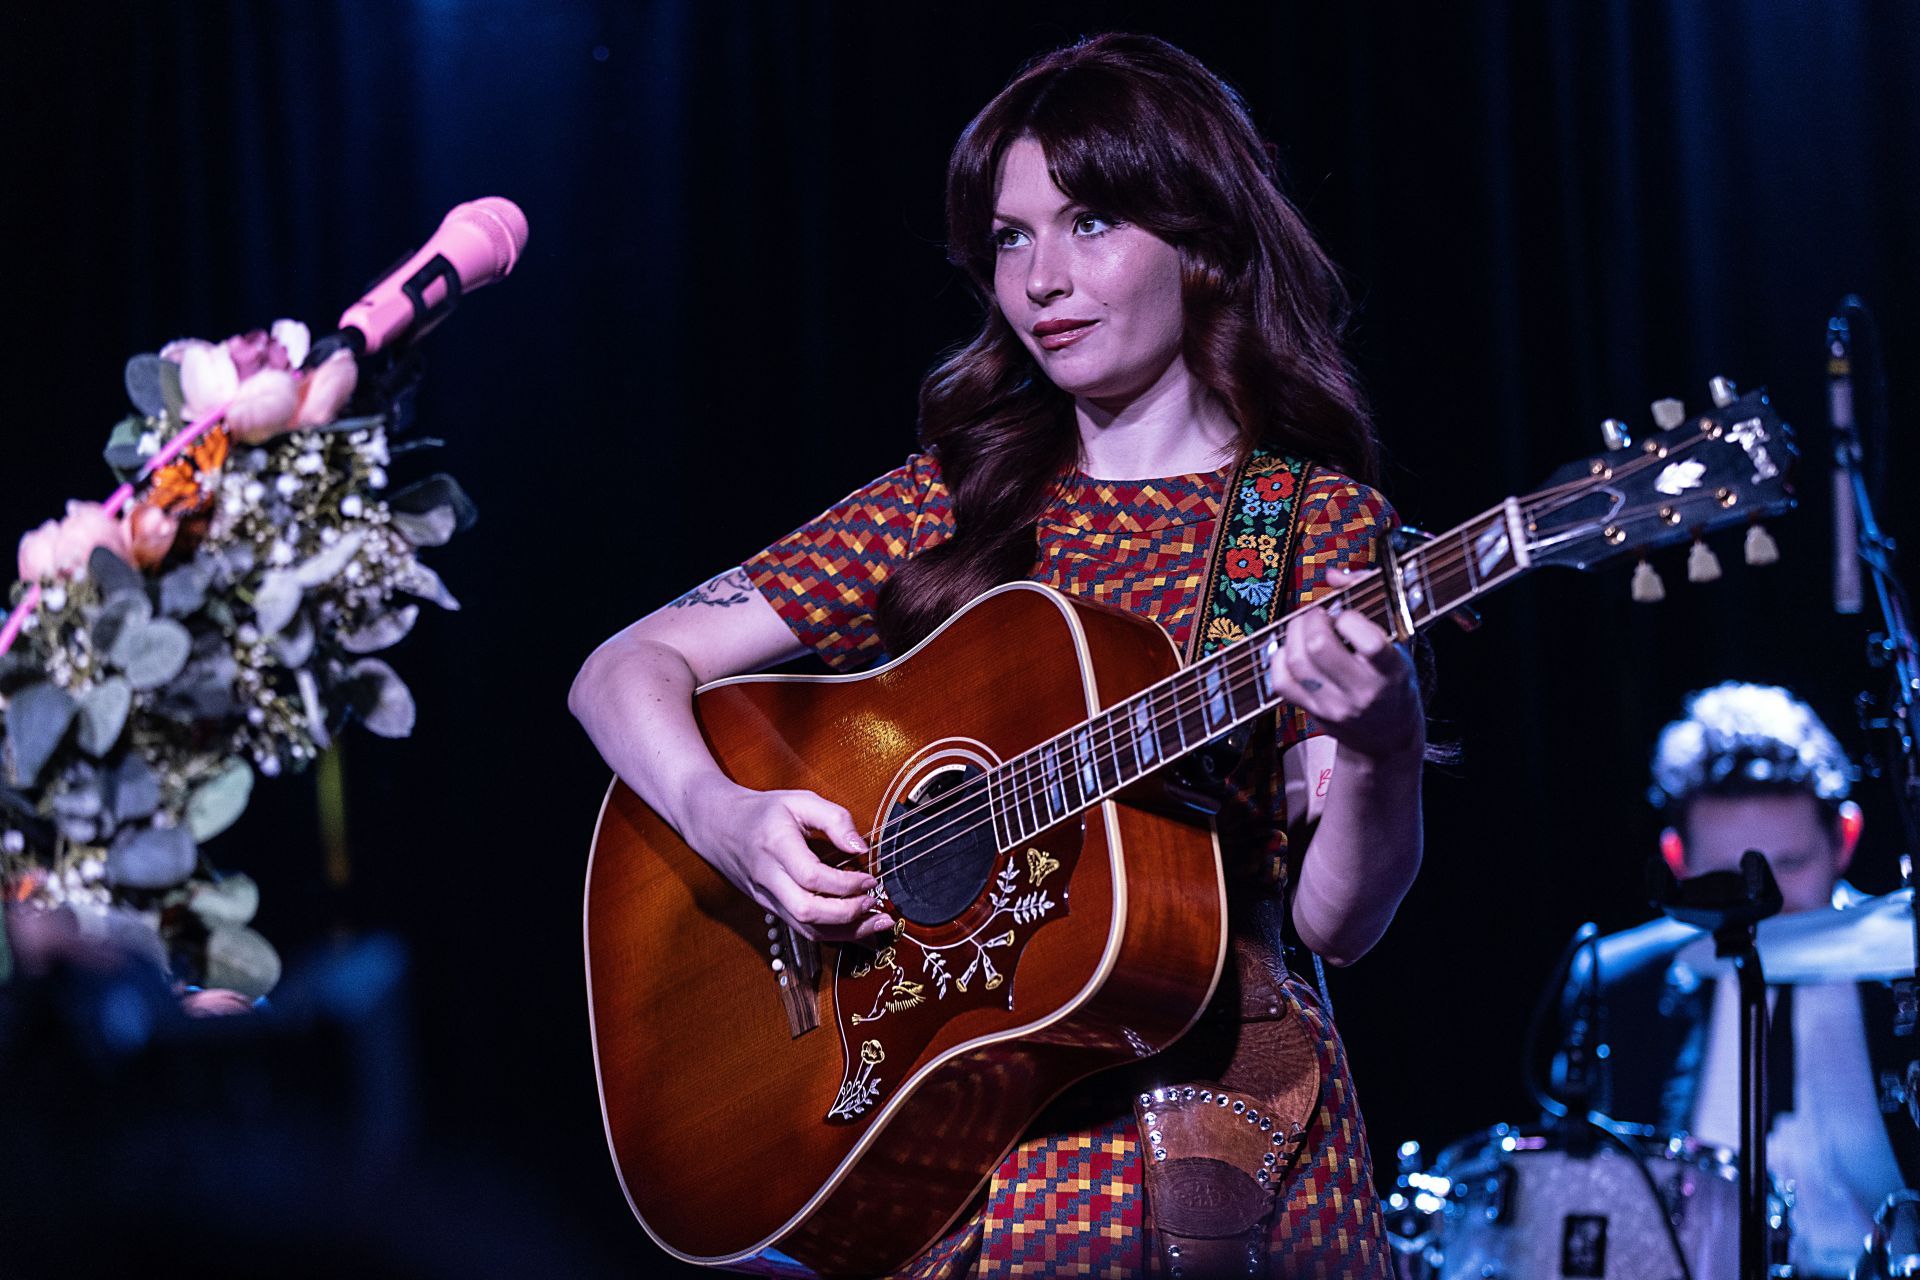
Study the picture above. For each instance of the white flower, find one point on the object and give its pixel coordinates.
(351, 506)
(295, 337)
(55, 598)
(308, 463)
(286, 486)
(253, 492)
(149, 443)
(248, 634)
(281, 553)
(269, 765)
(255, 716)
(13, 842)
(377, 478)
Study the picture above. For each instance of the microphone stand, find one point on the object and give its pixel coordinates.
(1893, 647)
(1730, 905)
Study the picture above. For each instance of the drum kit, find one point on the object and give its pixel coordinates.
(1588, 1197)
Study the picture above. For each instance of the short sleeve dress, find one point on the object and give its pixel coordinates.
(1069, 1199)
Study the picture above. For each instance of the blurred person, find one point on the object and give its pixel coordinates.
(1752, 767)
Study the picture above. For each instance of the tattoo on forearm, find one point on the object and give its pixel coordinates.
(721, 592)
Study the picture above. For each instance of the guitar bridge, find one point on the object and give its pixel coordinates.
(796, 967)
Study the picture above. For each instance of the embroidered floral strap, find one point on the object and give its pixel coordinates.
(1252, 548)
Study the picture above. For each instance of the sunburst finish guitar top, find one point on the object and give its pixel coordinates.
(1017, 966)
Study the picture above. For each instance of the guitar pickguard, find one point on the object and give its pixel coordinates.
(890, 1003)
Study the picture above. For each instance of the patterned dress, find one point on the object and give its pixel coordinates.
(1069, 1200)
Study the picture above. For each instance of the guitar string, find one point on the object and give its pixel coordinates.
(1024, 771)
(904, 838)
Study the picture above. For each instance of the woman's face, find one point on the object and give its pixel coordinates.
(1096, 300)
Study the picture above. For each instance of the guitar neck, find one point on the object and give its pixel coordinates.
(1198, 704)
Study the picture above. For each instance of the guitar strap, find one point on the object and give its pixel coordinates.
(1216, 1151)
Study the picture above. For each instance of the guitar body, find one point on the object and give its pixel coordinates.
(847, 1118)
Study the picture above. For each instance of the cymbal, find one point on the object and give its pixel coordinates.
(1869, 942)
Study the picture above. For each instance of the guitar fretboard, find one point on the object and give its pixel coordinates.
(1199, 704)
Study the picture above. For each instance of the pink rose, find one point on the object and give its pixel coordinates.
(39, 553)
(325, 390)
(251, 352)
(257, 376)
(150, 534)
(60, 550)
(263, 406)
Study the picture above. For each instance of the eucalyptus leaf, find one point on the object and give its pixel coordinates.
(231, 900)
(220, 613)
(217, 803)
(171, 392)
(294, 644)
(145, 386)
(185, 589)
(79, 803)
(114, 576)
(425, 583)
(325, 566)
(37, 719)
(381, 698)
(242, 960)
(275, 601)
(439, 490)
(103, 714)
(132, 789)
(204, 689)
(427, 529)
(151, 858)
(383, 632)
(121, 617)
(123, 446)
(153, 654)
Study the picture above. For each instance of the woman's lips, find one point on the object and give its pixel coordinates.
(1055, 334)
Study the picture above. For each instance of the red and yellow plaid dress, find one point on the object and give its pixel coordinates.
(1069, 1200)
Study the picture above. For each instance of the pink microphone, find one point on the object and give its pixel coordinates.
(477, 243)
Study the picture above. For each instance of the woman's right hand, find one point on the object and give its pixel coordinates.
(758, 840)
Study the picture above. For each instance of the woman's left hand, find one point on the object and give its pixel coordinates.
(1348, 674)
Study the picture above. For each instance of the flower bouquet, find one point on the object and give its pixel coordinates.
(214, 621)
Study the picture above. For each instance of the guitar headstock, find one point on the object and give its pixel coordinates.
(1726, 466)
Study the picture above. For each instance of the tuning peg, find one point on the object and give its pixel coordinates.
(1702, 564)
(1723, 391)
(1647, 587)
(1760, 546)
(1668, 413)
(1614, 433)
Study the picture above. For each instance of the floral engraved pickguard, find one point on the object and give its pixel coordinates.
(891, 1002)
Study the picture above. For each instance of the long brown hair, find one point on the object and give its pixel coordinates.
(1137, 129)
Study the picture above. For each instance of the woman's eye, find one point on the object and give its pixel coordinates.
(1092, 224)
(1008, 237)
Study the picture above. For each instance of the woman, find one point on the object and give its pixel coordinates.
(1160, 342)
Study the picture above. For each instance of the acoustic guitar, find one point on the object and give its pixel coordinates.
(768, 1100)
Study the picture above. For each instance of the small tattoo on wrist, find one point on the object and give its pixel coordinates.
(1310, 684)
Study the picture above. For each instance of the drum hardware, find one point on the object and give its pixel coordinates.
(1893, 1247)
(1525, 1204)
(1730, 905)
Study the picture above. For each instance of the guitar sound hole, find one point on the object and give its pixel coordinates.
(937, 849)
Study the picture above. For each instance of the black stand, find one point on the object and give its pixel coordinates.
(1730, 905)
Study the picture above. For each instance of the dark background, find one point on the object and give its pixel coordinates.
(1549, 213)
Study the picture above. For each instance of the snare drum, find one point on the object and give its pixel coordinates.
(1519, 1204)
